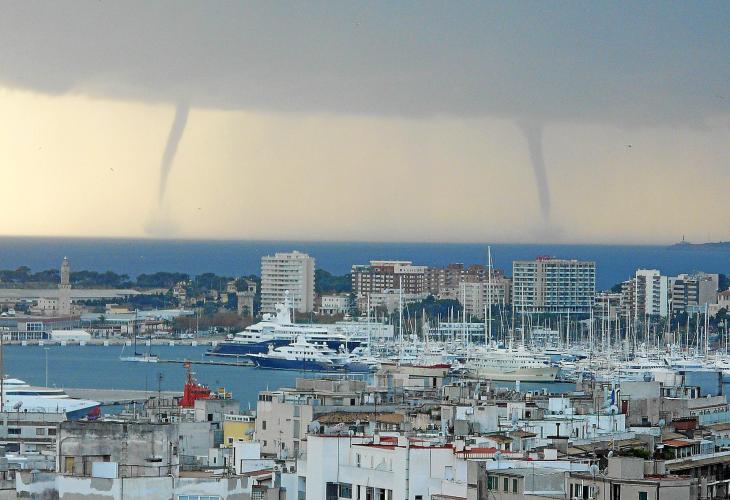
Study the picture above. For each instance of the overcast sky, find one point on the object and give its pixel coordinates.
(422, 121)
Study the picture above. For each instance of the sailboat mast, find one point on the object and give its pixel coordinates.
(489, 296)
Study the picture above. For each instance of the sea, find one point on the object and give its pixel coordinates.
(99, 367)
(614, 263)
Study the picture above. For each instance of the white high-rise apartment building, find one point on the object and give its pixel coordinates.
(651, 293)
(291, 273)
(549, 285)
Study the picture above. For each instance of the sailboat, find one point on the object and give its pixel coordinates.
(138, 357)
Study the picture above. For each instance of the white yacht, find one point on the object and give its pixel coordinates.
(278, 330)
(300, 355)
(20, 396)
(138, 357)
(511, 365)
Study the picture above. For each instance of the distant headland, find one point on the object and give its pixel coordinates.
(710, 245)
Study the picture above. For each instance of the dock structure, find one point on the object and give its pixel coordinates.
(242, 362)
(119, 396)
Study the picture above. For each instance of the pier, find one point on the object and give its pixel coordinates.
(243, 362)
(119, 396)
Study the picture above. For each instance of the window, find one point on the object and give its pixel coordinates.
(198, 497)
(15, 431)
(505, 485)
(345, 490)
(331, 491)
(514, 486)
(643, 495)
(263, 425)
(52, 431)
(40, 431)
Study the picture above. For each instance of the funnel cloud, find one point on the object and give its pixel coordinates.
(173, 140)
(533, 135)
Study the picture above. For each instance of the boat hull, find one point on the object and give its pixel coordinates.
(139, 359)
(234, 349)
(273, 363)
(547, 374)
(356, 367)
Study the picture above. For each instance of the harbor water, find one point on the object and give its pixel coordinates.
(99, 367)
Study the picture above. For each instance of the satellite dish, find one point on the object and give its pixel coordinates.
(594, 470)
(610, 454)
(17, 405)
(662, 422)
(250, 432)
(314, 427)
(498, 455)
(613, 410)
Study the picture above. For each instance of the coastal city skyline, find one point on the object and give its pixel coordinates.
(517, 122)
(350, 250)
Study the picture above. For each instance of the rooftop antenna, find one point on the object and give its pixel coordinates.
(159, 394)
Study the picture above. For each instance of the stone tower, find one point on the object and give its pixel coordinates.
(64, 289)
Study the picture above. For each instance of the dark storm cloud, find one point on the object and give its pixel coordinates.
(619, 62)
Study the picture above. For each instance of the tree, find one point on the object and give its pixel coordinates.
(226, 319)
(160, 279)
(326, 282)
(435, 307)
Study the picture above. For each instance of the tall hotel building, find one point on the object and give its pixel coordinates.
(287, 272)
(550, 285)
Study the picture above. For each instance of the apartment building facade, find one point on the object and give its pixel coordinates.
(550, 285)
(646, 294)
(450, 276)
(287, 275)
(477, 296)
(381, 275)
(693, 292)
